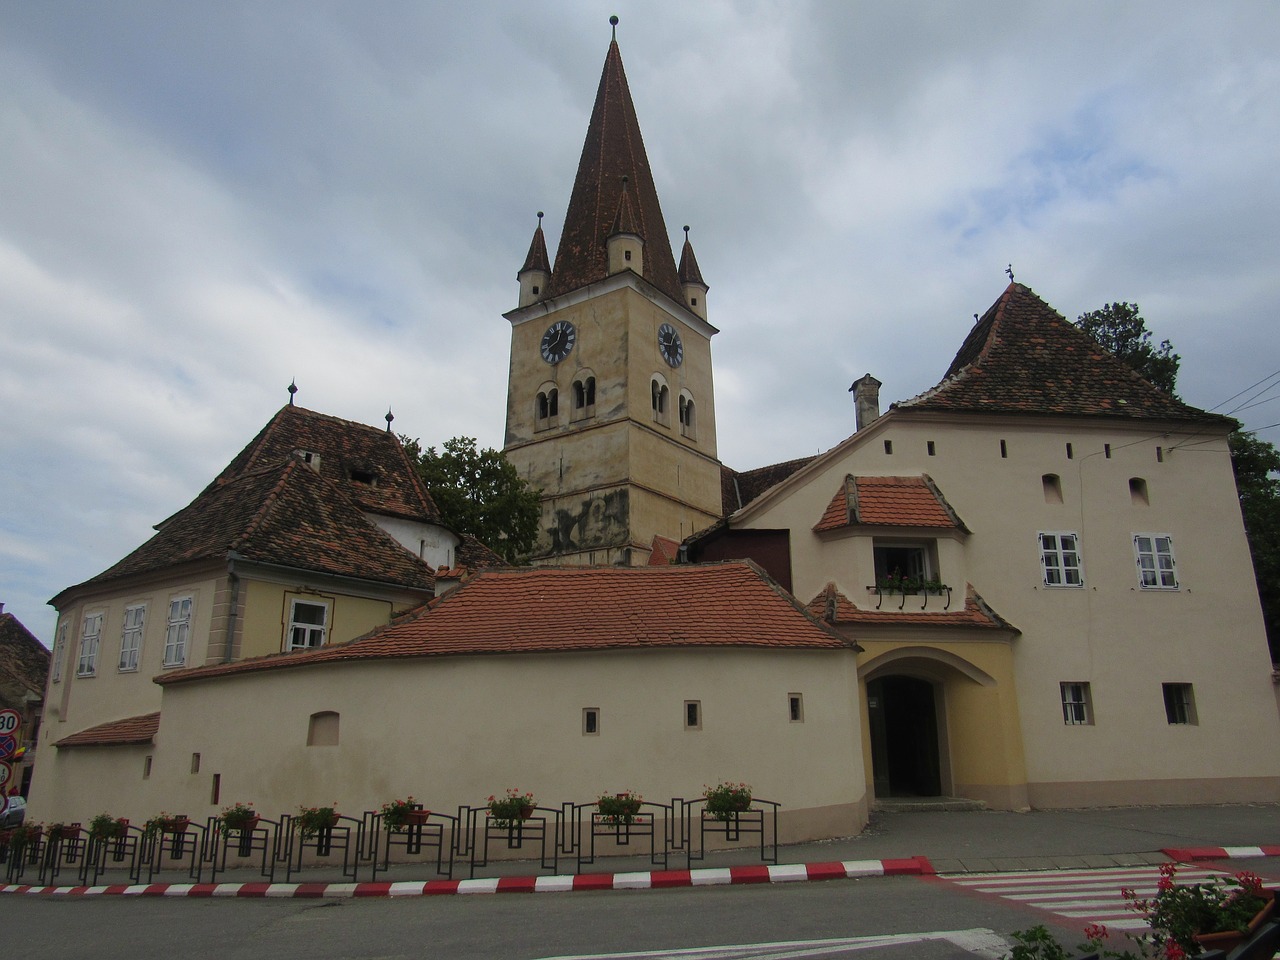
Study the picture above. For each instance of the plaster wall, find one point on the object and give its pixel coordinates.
(1121, 639)
(452, 731)
(266, 614)
(432, 544)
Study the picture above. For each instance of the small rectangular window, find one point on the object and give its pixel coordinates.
(1060, 560)
(888, 446)
(930, 448)
(177, 632)
(1159, 454)
(131, 637)
(1179, 703)
(195, 763)
(89, 640)
(1070, 452)
(1004, 450)
(1156, 569)
(59, 651)
(215, 794)
(307, 624)
(795, 707)
(1106, 450)
(693, 714)
(146, 768)
(590, 721)
(1077, 709)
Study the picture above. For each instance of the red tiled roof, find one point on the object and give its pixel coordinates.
(24, 660)
(834, 607)
(613, 149)
(891, 501)
(283, 513)
(369, 463)
(115, 732)
(568, 609)
(537, 258)
(1025, 357)
(663, 551)
(688, 270)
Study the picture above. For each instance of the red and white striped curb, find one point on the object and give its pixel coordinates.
(652, 880)
(1185, 854)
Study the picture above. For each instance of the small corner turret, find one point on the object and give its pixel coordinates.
(536, 272)
(624, 247)
(691, 282)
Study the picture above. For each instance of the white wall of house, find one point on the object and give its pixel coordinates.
(452, 731)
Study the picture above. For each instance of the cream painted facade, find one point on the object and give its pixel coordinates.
(615, 472)
(448, 731)
(1000, 717)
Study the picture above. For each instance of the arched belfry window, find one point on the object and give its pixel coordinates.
(548, 407)
(584, 396)
(688, 416)
(660, 398)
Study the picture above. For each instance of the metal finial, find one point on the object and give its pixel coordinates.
(613, 22)
(293, 388)
(390, 416)
(1009, 271)
(686, 231)
(539, 219)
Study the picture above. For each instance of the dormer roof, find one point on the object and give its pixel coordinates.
(1023, 357)
(613, 150)
(888, 501)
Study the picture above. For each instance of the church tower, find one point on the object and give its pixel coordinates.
(610, 405)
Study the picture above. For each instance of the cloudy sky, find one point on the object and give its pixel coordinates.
(201, 202)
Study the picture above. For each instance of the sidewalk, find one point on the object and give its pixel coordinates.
(893, 843)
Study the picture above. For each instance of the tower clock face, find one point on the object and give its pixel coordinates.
(670, 345)
(558, 341)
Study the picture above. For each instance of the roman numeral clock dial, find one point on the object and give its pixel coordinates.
(670, 346)
(558, 341)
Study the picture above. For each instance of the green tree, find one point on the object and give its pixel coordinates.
(1256, 464)
(479, 492)
(1120, 328)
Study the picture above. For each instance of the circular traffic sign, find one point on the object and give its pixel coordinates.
(6, 772)
(9, 721)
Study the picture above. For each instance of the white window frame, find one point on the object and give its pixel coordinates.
(1157, 569)
(1056, 559)
(177, 634)
(59, 651)
(90, 638)
(310, 631)
(1077, 703)
(135, 618)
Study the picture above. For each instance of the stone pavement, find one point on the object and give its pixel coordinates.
(919, 842)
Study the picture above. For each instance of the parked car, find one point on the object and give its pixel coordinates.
(15, 812)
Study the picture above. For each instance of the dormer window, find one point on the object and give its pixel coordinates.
(310, 458)
(365, 476)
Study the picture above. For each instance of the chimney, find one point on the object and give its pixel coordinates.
(866, 401)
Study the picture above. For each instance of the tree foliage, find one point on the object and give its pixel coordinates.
(1120, 328)
(480, 492)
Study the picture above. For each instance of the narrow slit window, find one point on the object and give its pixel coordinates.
(1070, 452)
(1159, 454)
(693, 714)
(1004, 450)
(146, 768)
(795, 707)
(931, 448)
(195, 763)
(215, 794)
(590, 721)
(1106, 450)
(888, 447)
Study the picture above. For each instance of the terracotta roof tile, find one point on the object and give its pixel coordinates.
(663, 551)
(1023, 356)
(834, 607)
(688, 270)
(537, 258)
(369, 463)
(115, 732)
(24, 660)
(889, 501)
(284, 513)
(567, 609)
(613, 149)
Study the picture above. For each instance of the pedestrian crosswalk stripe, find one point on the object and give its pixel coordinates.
(1084, 895)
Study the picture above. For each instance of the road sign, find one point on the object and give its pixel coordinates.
(6, 772)
(8, 746)
(9, 721)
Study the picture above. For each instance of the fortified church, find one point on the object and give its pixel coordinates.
(1021, 587)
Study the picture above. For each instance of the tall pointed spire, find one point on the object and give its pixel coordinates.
(537, 258)
(613, 150)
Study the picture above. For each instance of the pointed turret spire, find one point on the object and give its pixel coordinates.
(692, 285)
(613, 149)
(536, 272)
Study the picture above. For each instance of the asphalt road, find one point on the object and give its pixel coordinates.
(522, 927)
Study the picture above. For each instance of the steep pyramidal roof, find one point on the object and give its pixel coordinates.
(369, 464)
(613, 150)
(1023, 356)
(688, 269)
(537, 258)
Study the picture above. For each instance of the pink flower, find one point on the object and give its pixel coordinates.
(1096, 931)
